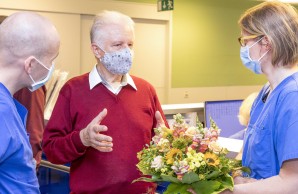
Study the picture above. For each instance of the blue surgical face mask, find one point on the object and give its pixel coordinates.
(118, 62)
(253, 65)
(40, 83)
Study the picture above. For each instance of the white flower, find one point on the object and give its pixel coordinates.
(215, 147)
(157, 163)
(163, 142)
(156, 139)
(191, 131)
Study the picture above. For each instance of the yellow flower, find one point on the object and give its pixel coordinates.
(172, 154)
(211, 159)
(139, 155)
(202, 177)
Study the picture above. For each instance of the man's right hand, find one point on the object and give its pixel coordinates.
(91, 135)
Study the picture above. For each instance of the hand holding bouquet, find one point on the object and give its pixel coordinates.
(189, 158)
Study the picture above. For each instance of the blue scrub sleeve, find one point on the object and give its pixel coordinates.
(287, 128)
(6, 138)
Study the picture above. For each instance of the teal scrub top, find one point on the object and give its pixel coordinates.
(17, 167)
(271, 136)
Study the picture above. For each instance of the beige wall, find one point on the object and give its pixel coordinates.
(201, 94)
(153, 46)
(73, 20)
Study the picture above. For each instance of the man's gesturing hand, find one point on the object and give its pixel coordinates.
(159, 120)
(91, 136)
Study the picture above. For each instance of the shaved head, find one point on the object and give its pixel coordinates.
(27, 40)
(25, 34)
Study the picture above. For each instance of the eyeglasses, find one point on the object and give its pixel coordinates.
(242, 39)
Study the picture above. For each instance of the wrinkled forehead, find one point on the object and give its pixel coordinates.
(114, 32)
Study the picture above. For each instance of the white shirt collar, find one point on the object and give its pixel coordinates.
(95, 79)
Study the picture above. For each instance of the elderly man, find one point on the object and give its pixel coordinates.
(28, 45)
(103, 118)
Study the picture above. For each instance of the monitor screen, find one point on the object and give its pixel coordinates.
(225, 115)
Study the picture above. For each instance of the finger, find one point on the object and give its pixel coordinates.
(101, 138)
(104, 149)
(99, 128)
(101, 144)
(100, 116)
(159, 120)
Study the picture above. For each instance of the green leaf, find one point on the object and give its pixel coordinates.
(143, 179)
(228, 182)
(170, 179)
(206, 187)
(174, 188)
(190, 178)
(213, 175)
(246, 169)
(156, 178)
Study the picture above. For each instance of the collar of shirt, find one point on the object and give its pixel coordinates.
(95, 78)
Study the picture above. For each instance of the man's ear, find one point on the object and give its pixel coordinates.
(28, 64)
(96, 51)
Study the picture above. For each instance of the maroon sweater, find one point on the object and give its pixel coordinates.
(130, 121)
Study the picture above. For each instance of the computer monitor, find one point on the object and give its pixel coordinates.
(225, 114)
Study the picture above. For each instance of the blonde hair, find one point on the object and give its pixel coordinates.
(244, 110)
(279, 23)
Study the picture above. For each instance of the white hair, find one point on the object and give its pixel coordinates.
(105, 18)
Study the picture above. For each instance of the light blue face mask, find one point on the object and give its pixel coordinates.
(40, 83)
(253, 65)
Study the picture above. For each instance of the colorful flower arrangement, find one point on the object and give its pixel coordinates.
(189, 158)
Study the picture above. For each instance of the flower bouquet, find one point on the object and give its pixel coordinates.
(189, 158)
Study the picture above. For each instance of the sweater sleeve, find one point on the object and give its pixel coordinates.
(158, 108)
(61, 143)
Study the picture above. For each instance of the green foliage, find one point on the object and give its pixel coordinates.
(180, 143)
(190, 178)
(206, 187)
(177, 189)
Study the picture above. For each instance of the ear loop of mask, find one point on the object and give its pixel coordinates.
(41, 65)
(252, 46)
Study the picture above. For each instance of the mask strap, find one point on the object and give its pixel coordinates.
(256, 42)
(32, 79)
(263, 55)
(100, 48)
(41, 63)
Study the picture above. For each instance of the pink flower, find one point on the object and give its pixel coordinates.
(204, 145)
(179, 132)
(195, 143)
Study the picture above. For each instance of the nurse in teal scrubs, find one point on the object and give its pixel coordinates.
(28, 45)
(269, 46)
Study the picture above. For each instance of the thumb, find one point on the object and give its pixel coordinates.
(100, 116)
(159, 120)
